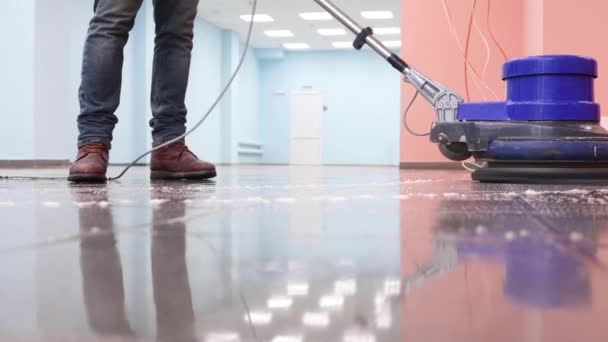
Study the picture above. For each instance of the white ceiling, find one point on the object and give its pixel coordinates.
(226, 14)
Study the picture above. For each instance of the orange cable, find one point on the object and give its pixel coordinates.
(488, 21)
(455, 35)
(466, 51)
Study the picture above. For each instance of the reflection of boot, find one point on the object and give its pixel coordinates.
(172, 294)
(102, 278)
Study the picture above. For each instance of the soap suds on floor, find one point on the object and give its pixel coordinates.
(329, 198)
(286, 200)
(510, 194)
(84, 204)
(592, 200)
(256, 200)
(50, 204)
(576, 237)
(103, 204)
(126, 202)
(158, 202)
(532, 193)
(480, 230)
(416, 181)
(336, 199)
(95, 231)
(576, 192)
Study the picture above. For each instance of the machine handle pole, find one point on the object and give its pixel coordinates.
(444, 101)
(364, 36)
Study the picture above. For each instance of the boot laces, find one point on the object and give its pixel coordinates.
(182, 148)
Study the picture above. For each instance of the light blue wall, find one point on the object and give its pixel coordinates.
(361, 92)
(248, 103)
(204, 87)
(41, 76)
(17, 79)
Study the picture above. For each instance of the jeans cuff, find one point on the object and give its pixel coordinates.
(88, 141)
(160, 141)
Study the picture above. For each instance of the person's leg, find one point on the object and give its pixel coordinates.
(99, 93)
(102, 63)
(172, 53)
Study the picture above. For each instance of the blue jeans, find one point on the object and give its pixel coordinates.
(103, 59)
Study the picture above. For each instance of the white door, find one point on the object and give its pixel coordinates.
(306, 128)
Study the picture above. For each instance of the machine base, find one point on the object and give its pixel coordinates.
(543, 173)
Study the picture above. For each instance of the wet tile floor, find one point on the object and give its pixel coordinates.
(288, 254)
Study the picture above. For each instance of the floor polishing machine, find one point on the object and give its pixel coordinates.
(547, 130)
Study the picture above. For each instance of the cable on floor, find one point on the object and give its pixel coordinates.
(472, 166)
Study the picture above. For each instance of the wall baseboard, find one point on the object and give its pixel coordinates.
(34, 164)
(430, 166)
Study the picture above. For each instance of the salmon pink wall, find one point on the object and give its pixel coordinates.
(523, 27)
(430, 47)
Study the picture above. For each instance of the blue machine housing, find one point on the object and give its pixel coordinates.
(549, 124)
(542, 88)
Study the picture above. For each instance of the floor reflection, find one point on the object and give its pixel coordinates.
(304, 254)
(102, 272)
(499, 272)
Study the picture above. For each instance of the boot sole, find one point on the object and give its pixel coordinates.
(87, 178)
(201, 175)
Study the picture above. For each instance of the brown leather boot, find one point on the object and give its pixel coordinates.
(91, 164)
(176, 162)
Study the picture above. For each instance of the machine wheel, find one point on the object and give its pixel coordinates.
(455, 151)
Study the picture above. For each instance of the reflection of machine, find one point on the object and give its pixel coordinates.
(541, 275)
(548, 125)
(542, 269)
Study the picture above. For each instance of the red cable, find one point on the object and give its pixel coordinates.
(502, 51)
(466, 61)
(466, 51)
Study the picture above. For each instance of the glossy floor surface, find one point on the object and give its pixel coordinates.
(288, 254)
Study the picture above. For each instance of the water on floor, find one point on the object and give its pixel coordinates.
(280, 254)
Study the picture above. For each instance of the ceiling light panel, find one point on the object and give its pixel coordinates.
(278, 33)
(377, 14)
(387, 31)
(258, 18)
(316, 16)
(332, 32)
(392, 43)
(296, 46)
(342, 45)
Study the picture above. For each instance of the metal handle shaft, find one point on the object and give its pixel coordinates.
(352, 25)
(444, 101)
